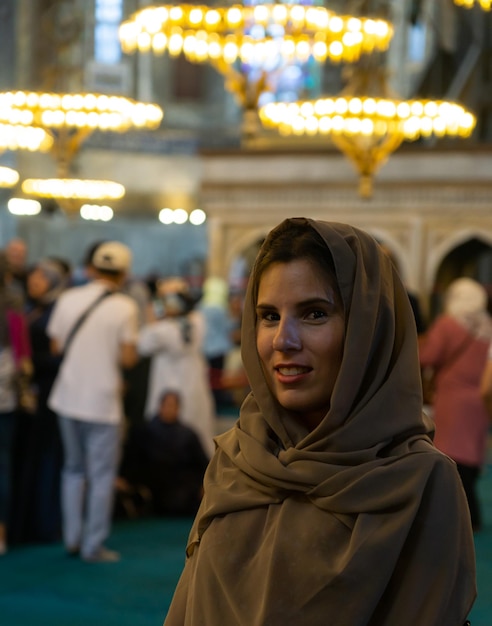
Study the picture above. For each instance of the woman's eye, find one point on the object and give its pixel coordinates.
(316, 314)
(268, 316)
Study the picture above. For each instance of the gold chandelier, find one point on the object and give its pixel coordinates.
(486, 5)
(203, 33)
(240, 34)
(367, 121)
(366, 129)
(68, 119)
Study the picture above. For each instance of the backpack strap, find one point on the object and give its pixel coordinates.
(82, 318)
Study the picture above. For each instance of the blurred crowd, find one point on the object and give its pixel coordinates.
(110, 389)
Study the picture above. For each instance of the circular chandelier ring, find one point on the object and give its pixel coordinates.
(369, 117)
(202, 33)
(77, 111)
(73, 189)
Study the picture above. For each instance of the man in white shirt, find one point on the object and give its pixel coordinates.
(87, 396)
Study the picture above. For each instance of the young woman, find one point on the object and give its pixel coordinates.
(327, 503)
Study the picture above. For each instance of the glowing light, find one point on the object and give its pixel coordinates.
(23, 206)
(8, 177)
(96, 212)
(73, 189)
(312, 30)
(197, 217)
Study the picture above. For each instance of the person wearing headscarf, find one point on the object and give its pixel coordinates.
(174, 344)
(327, 502)
(456, 348)
(38, 512)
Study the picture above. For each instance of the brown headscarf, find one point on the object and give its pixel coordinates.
(361, 522)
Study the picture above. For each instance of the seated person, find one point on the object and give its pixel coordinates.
(164, 459)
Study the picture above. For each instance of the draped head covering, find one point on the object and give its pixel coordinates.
(466, 302)
(360, 521)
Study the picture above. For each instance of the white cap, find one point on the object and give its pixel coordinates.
(112, 256)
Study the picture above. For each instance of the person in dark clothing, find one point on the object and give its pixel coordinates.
(38, 509)
(166, 458)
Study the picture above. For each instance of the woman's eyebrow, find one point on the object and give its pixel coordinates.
(301, 303)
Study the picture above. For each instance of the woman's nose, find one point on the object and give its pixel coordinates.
(287, 336)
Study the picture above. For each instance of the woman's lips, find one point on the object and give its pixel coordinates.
(291, 373)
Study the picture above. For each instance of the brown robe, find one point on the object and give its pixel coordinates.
(361, 522)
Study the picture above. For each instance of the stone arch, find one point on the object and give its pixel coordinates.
(468, 254)
(437, 253)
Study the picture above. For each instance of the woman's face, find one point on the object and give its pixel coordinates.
(37, 284)
(300, 337)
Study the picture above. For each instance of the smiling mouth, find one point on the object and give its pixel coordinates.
(293, 371)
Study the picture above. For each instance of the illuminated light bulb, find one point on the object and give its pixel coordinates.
(325, 125)
(195, 17)
(180, 216)
(175, 44)
(23, 206)
(367, 127)
(279, 13)
(234, 16)
(337, 124)
(431, 109)
(176, 14)
(166, 216)
(8, 176)
(212, 17)
(159, 43)
(341, 106)
(312, 126)
(336, 49)
(197, 217)
(324, 107)
(336, 24)
(303, 50)
(403, 110)
(144, 42)
(260, 13)
(417, 108)
(320, 51)
(307, 109)
(297, 13)
(426, 126)
(96, 212)
(355, 106)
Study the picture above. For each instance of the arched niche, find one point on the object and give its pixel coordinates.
(241, 256)
(470, 256)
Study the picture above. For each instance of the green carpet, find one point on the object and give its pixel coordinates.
(40, 586)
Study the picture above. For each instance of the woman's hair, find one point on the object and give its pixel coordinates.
(54, 271)
(170, 392)
(290, 241)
